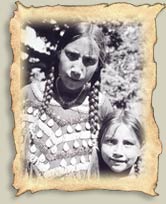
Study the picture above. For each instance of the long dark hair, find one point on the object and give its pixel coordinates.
(74, 32)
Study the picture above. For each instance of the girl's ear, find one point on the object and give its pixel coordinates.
(140, 152)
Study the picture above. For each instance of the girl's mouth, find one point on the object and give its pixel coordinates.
(74, 79)
(118, 160)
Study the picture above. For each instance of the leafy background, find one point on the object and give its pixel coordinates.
(121, 77)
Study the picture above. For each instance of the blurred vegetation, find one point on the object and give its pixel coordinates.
(121, 79)
(121, 76)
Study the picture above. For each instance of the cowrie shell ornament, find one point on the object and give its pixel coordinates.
(78, 128)
(58, 133)
(50, 123)
(63, 163)
(69, 129)
(33, 148)
(39, 134)
(30, 110)
(65, 147)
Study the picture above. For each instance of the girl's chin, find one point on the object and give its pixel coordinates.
(120, 170)
(72, 85)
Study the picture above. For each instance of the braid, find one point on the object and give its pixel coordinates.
(47, 92)
(137, 166)
(93, 107)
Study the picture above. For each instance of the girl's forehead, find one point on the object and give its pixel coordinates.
(121, 131)
(84, 45)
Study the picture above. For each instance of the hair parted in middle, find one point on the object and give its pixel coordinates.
(74, 32)
(114, 120)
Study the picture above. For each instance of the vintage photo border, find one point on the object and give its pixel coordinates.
(146, 15)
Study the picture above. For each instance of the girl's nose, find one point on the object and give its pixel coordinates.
(77, 70)
(118, 151)
(75, 74)
(117, 155)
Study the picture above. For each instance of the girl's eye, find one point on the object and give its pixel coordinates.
(112, 141)
(128, 143)
(89, 61)
(72, 55)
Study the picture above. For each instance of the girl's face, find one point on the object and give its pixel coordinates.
(77, 62)
(120, 148)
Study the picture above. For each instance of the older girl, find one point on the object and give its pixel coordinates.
(63, 117)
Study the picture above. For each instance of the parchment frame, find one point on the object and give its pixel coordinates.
(146, 14)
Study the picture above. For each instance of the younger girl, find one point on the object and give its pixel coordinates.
(63, 117)
(120, 145)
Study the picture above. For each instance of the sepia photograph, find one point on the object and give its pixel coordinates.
(63, 65)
